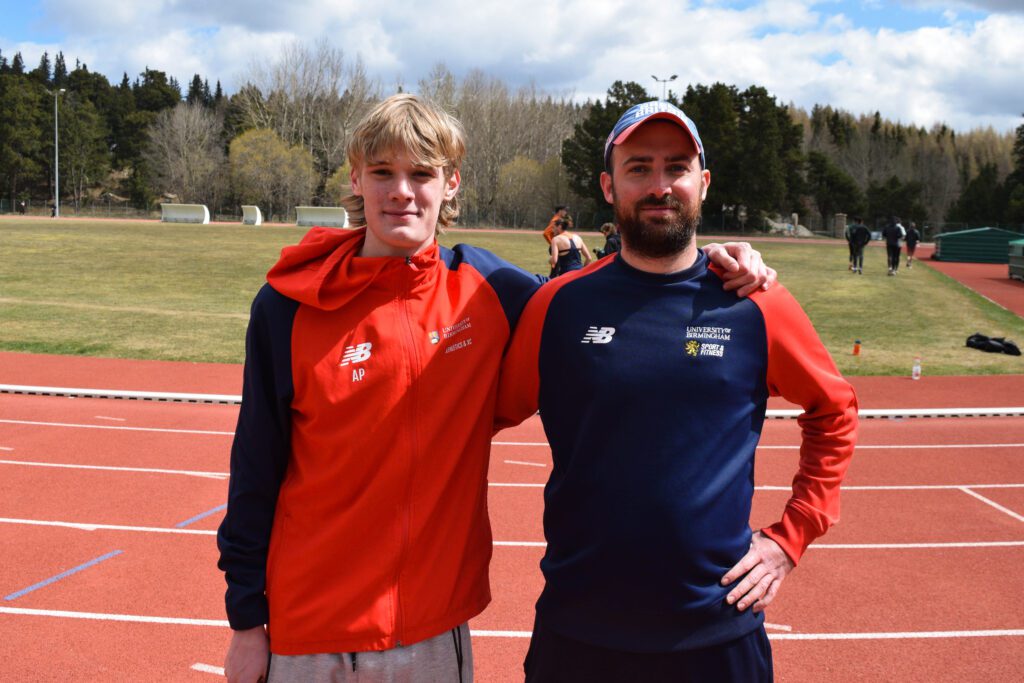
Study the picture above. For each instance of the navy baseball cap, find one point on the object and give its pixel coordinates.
(638, 114)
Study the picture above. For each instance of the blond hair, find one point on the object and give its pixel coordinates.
(429, 135)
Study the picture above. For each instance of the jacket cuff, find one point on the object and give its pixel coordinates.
(794, 532)
(255, 613)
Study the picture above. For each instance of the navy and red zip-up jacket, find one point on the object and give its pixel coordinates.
(652, 390)
(357, 505)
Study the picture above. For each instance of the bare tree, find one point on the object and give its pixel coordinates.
(184, 153)
(310, 97)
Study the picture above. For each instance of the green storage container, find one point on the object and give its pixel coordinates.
(1017, 259)
(980, 245)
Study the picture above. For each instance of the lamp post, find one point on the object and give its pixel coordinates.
(663, 81)
(56, 156)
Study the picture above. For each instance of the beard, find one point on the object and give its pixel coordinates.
(657, 237)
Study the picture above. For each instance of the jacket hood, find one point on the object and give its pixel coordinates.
(325, 270)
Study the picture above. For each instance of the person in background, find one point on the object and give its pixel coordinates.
(561, 214)
(859, 237)
(913, 237)
(651, 570)
(568, 251)
(612, 240)
(893, 234)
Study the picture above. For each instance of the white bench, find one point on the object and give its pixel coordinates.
(327, 216)
(251, 215)
(184, 213)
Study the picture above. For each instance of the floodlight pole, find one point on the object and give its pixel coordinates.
(56, 156)
(663, 81)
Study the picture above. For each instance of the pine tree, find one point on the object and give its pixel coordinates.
(18, 64)
(155, 91)
(60, 71)
(195, 90)
(41, 74)
(716, 110)
(1014, 186)
(831, 188)
(583, 153)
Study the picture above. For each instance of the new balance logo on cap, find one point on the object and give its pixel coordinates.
(355, 354)
(598, 335)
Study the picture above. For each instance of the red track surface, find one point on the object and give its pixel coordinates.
(834, 598)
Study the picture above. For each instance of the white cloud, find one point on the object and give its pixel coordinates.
(963, 73)
(982, 5)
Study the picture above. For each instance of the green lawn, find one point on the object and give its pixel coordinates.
(181, 292)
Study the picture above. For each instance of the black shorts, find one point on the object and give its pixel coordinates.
(553, 658)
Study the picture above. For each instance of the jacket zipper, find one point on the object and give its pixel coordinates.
(412, 357)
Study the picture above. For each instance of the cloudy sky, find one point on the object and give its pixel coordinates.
(960, 62)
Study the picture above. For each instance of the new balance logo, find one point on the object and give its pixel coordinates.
(355, 354)
(598, 335)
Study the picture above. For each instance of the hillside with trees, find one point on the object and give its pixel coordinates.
(280, 141)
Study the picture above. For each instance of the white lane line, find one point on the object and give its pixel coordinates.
(916, 546)
(842, 546)
(778, 627)
(542, 444)
(912, 446)
(6, 448)
(898, 635)
(989, 501)
(522, 544)
(512, 485)
(905, 635)
(112, 468)
(87, 526)
(859, 447)
(37, 423)
(523, 462)
(115, 419)
(100, 616)
(208, 669)
(501, 484)
(905, 487)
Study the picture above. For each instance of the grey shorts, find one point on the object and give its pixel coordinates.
(447, 658)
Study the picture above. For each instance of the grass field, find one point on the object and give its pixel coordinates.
(142, 289)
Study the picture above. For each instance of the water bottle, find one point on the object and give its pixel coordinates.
(856, 347)
(915, 372)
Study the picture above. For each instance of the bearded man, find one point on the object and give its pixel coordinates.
(652, 383)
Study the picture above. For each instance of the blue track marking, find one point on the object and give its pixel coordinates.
(62, 575)
(182, 525)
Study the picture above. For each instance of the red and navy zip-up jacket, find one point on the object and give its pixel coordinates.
(652, 390)
(357, 505)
